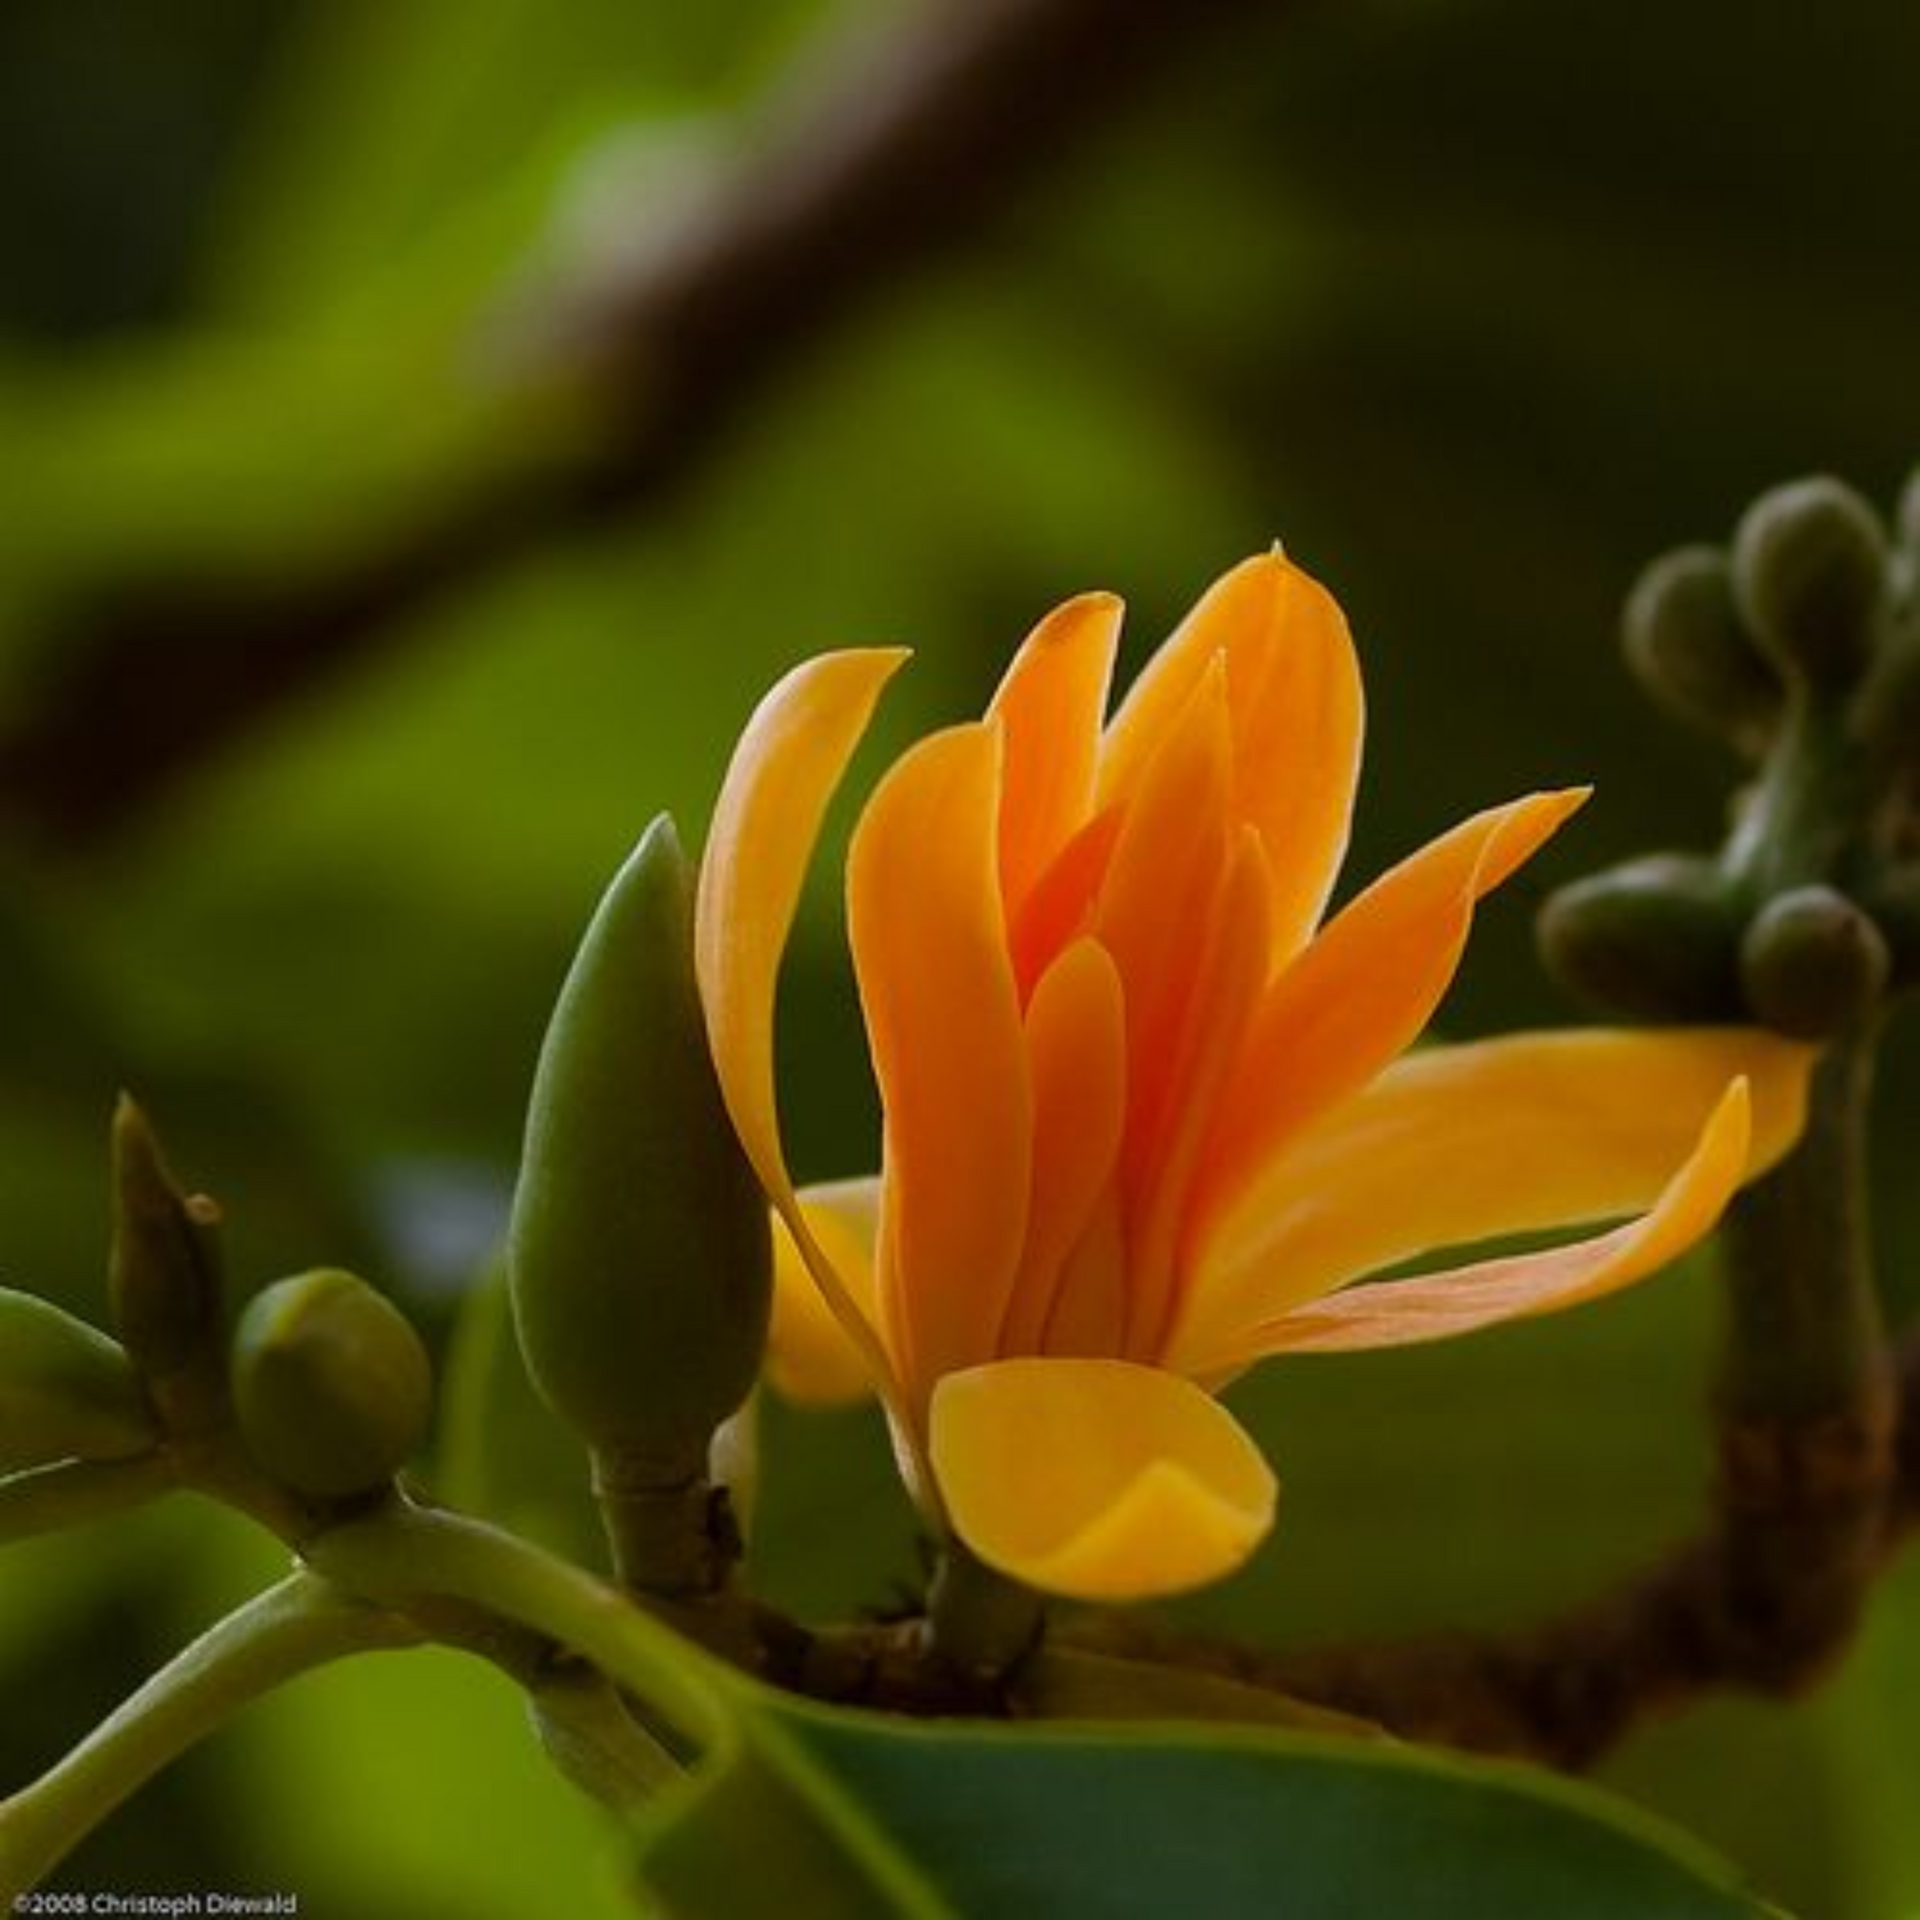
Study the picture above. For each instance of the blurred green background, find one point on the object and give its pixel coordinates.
(1476, 306)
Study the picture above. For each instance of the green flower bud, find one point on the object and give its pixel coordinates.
(1810, 576)
(1655, 939)
(67, 1392)
(1685, 643)
(164, 1270)
(331, 1385)
(640, 1250)
(1813, 963)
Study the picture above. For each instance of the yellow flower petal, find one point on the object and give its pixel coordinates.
(1457, 1144)
(809, 1357)
(788, 762)
(1295, 696)
(1076, 1042)
(1360, 994)
(1050, 706)
(1098, 1479)
(1397, 1313)
(943, 1021)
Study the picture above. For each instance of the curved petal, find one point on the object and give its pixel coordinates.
(1059, 906)
(1457, 1144)
(1077, 1044)
(1050, 705)
(1098, 1479)
(1159, 913)
(1398, 1313)
(809, 1356)
(1295, 695)
(783, 772)
(943, 1021)
(1229, 969)
(1360, 994)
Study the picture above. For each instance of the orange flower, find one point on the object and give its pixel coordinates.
(1145, 1113)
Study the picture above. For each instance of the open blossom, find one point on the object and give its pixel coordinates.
(1148, 1109)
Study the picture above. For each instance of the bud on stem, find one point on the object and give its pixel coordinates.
(164, 1274)
(331, 1385)
(640, 1250)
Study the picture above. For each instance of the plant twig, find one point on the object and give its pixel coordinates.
(291, 1628)
(888, 156)
(69, 1493)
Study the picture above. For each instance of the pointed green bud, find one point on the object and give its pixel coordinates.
(1810, 576)
(1685, 643)
(1813, 963)
(67, 1392)
(1655, 939)
(640, 1250)
(331, 1385)
(164, 1269)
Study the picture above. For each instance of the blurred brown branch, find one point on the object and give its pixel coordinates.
(901, 147)
(1807, 1514)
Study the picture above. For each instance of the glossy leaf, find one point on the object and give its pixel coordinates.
(836, 1813)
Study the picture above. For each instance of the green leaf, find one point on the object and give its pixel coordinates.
(840, 1813)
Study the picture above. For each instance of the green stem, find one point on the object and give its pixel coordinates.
(403, 1555)
(979, 1619)
(299, 1624)
(1812, 809)
(1807, 1398)
(671, 1532)
(72, 1492)
(1806, 1339)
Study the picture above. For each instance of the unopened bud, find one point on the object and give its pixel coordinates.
(331, 1384)
(1813, 963)
(1655, 939)
(67, 1392)
(640, 1251)
(1685, 642)
(1810, 576)
(164, 1269)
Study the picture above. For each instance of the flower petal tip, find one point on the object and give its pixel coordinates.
(1097, 1479)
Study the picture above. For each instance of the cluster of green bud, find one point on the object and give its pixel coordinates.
(640, 1253)
(324, 1385)
(1798, 645)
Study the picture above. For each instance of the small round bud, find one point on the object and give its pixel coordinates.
(331, 1385)
(1655, 939)
(1813, 963)
(1685, 643)
(1810, 576)
(67, 1392)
